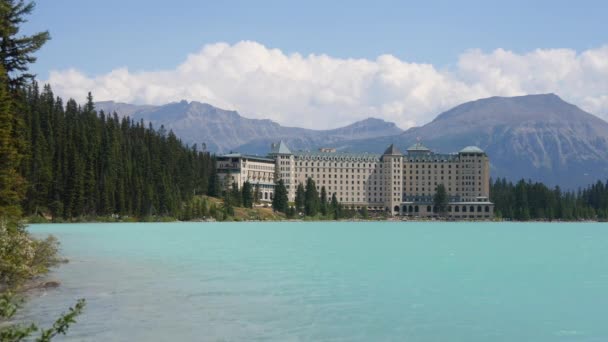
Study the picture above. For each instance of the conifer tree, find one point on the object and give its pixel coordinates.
(280, 199)
(335, 207)
(17, 51)
(228, 205)
(440, 199)
(214, 184)
(11, 182)
(283, 197)
(527, 200)
(312, 201)
(22, 257)
(84, 163)
(236, 197)
(277, 203)
(324, 204)
(522, 211)
(247, 195)
(300, 198)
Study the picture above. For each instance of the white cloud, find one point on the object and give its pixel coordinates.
(322, 91)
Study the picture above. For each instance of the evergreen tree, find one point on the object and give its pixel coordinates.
(312, 201)
(228, 205)
(247, 195)
(214, 184)
(280, 199)
(235, 195)
(300, 198)
(11, 182)
(22, 257)
(527, 200)
(522, 211)
(84, 163)
(324, 204)
(440, 200)
(17, 51)
(335, 207)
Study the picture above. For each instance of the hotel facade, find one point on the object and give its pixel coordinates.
(399, 183)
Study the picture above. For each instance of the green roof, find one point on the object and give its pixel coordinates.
(471, 149)
(418, 147)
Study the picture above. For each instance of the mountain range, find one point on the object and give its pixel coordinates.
(224, 131)
(537, 137)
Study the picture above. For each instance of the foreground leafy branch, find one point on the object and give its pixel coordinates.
(19, 332)
(62, 324)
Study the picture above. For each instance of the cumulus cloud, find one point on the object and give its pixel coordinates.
(324, 92)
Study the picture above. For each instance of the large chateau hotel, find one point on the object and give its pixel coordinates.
(399, 183)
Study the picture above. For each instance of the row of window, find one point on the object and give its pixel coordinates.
(451, 208)
(251, 166)
(365, 171)
(395, 163)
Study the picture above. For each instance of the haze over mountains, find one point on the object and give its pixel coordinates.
(538, 137)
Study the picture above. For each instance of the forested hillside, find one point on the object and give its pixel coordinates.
(84, 163)
(526, 200)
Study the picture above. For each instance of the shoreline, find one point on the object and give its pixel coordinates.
(27, 222)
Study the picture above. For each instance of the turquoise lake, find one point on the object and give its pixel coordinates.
(344, 281)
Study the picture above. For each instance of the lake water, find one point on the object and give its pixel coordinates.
(343, 281)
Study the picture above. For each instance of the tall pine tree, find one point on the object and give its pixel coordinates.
(11, 182)
(280, 199)
(311, 202)
(324, 204)
(17, 51)
(300, 198)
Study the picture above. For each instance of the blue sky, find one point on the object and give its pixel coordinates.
(97, 36)
(98, 40)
